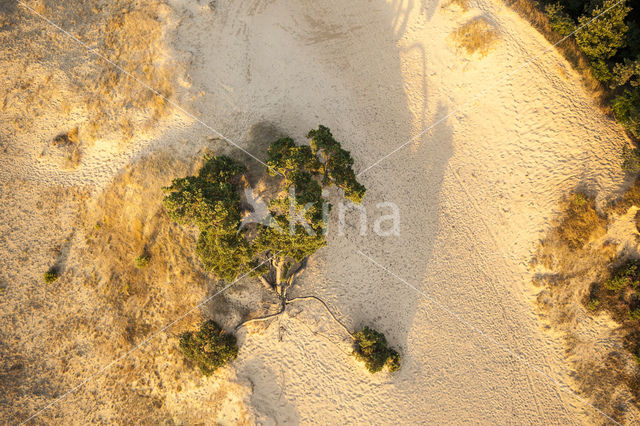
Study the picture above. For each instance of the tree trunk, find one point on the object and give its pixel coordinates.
(279, 275)
(266, 283)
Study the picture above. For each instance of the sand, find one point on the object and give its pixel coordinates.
(475, 194)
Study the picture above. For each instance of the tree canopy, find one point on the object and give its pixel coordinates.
(211, 201)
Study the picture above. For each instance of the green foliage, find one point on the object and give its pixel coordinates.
(560, 21)
(601, 38)
(285, 157)
(626, 275)
(210, 347)
(337, 164)
(51, 275)
(593, 304)
(371, 348)
(142, 261)
(211, 201)
(634, 313)
(225, 253)
(631, 159)
(600, 70)
(296, 245)
(627, 72)
(208, 199)
(627, 110)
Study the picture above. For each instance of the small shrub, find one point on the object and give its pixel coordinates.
(617, 283)
(51, 275)
(142, 261)
(210, 347)
(634, 314)
(593, 304)
(371, 348)
(581, 222)
(630, 159)
(626, 107)
(626, 275)
(477, 35)
(628, 71)
(601, 71)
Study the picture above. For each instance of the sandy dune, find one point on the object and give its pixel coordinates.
(474, 193)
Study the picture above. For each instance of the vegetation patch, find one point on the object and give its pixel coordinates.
(235, 240)
(51, 275)
(209, 348)
(581, 222)
(142, 261)
(588, 275)
(371, 348)
(477, 35)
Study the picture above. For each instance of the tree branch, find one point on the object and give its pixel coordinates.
(266, 283)
(264, 318)
(326, 308)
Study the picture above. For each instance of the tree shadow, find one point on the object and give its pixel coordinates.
(381, 299)
(267, 398)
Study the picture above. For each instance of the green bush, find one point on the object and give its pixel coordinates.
(601, 71)
(631, 159)
(371, 348)
(627, 110)
(210, 347)
(627, 72)
(601, 36)
(627, 274)
(51, 275)
(634, 314)
(560, 21)
(142, 261)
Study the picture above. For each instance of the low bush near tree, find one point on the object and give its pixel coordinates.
(371, 348)
(209, 348)
(626, 275)
(627, 110)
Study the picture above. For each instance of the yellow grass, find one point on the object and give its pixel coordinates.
(476, 36)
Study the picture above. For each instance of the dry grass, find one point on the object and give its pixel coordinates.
(128, 219)
(135, 41)
(462, 4)
(49, 79)
(581, 223)
(573, 262)
(630, 198)
(476, 36)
